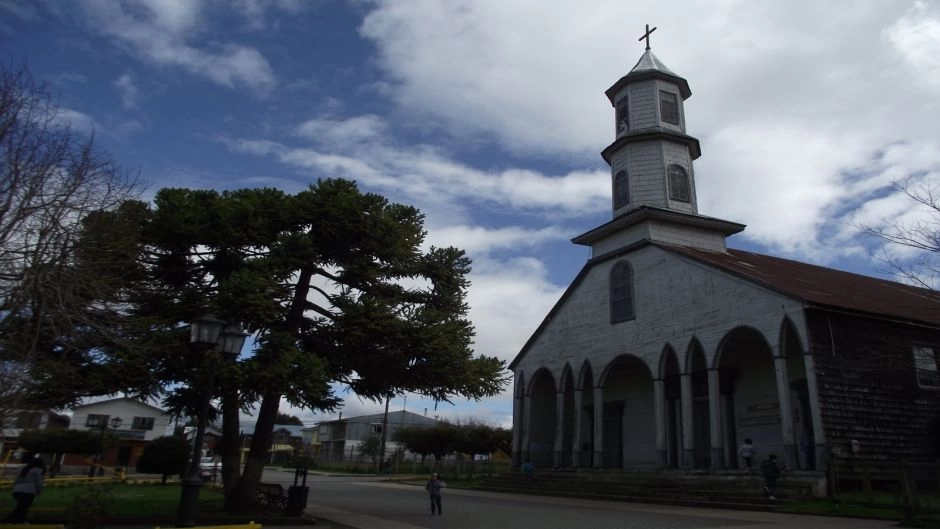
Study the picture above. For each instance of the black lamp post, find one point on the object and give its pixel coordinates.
(208, 332)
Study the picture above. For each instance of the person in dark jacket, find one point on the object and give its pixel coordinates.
(434, 486)
(27, 486)
(771, 472)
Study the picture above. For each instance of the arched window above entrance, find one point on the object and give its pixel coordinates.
(621, 293)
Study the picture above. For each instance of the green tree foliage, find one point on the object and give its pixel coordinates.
(371, 447)
(333, 283)
(165, 455)
(66, 441)
(284, 418)
(437, 441)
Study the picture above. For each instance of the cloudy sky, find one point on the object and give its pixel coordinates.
(489, 115)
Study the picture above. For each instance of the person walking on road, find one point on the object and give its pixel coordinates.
(434, 486)
(27, 486)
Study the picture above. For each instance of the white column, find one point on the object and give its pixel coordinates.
(559, 428)
(516, 431)
(659, 408)
(578, 425)
(714, 419)
(688, 447)
(786, 410)
(819, 435)
(598, 427)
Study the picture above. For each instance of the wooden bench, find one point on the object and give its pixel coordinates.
(249, 525)
(272, 493)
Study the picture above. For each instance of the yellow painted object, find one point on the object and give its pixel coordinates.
(249, 525)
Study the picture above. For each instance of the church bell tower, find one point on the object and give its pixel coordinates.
(652, 176)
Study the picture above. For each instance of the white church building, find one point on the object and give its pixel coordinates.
(669, 349)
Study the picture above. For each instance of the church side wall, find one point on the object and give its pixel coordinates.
(868, 388)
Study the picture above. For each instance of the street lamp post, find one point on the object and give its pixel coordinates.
(208, 332)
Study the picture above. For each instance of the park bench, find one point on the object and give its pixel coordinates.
(249, 525)
(272, 493)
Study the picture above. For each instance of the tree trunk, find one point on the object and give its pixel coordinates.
(260, 444)
(231, 446)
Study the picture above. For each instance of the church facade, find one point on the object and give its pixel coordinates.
(670, 349)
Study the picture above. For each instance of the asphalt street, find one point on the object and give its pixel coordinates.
(366, 502)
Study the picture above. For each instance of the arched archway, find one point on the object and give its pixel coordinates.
(563, 451)
(672, 392)
(541, 437)
(746, 361)
(697, 368)
(791, 347)
(583, 443)
(629, 427)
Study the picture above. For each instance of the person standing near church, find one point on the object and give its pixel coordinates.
(747, 453)
(771, 472)
(27, 486)
(434, 486)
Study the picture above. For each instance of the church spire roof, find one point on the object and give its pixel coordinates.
(649, 62)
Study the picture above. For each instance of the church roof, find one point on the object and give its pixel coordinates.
(825, 287)
(818, 286)
(650, 62)
(649, 67)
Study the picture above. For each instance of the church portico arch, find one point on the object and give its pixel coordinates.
(807, 428)
(564, 427)
(756, 387)
(668, 392)
(628, 433)
(582, 443)
(542, 395)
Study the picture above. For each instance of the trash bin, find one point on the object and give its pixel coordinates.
(296, 500)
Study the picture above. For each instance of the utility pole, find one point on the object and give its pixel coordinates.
(384, 434)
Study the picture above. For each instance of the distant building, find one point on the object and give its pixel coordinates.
(286, 442)
(340, 439)
(140, 423)
(23, 420)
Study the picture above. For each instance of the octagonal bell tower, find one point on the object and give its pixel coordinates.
(651, 156)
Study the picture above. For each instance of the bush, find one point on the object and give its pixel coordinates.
(90, 507)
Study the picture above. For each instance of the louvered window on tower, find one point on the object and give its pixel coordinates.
(621, 293)
(926, 363)
(621, 190)
(669, 107)
(679, 188)
(623, 117)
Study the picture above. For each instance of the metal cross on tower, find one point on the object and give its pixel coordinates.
(647, 35)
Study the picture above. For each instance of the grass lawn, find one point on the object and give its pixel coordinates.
(881, 505)
(145, 505)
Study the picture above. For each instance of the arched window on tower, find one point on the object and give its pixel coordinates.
(623, 116)
(621, 293)
(679, 188)
(621, 190)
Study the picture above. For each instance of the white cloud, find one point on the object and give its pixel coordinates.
(788, 99)
(128, 91)
(160, 31)
(342, 133)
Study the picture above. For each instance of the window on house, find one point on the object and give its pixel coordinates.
(621, 293)
(376, 428)
(143, 423)
(669, 107)
(679, 188)
(925, 361)
(621, 190)
(623, 116)
(97, 421)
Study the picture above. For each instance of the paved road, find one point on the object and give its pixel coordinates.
(370, 503)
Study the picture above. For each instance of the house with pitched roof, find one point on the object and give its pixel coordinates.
(669, 349)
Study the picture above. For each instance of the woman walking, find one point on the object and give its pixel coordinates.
(27, 486)
(434, 486)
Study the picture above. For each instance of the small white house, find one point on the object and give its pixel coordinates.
(135, 423)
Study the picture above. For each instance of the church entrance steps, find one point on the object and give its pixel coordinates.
(719, 490)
